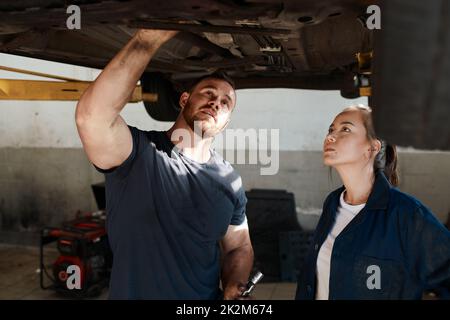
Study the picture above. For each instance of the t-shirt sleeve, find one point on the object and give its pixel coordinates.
(121, 171)
(239, 212)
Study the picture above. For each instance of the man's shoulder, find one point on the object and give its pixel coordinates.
(228, 173)
(150, 134)
(219, 160)
(225, 166)
(155, 138)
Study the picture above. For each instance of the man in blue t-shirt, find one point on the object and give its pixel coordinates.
(175, 209)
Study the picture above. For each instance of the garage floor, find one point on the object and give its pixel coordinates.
(19, 278)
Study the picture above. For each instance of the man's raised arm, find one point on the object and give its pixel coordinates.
(104, 134)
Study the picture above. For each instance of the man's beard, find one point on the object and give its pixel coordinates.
(193, 121)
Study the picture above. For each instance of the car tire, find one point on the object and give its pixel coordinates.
(167, 107)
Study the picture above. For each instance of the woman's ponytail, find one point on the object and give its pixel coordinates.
(386, 160)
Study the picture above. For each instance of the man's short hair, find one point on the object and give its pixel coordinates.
(221, 75)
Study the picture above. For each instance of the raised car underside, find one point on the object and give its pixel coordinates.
(302, 44)
(261, 43)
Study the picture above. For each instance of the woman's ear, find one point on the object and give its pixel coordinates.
(183, 99)
(376, 146)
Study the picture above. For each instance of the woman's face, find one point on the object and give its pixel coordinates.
(346, 142)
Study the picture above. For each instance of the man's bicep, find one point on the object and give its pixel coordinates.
(236, 236)
(107, 146)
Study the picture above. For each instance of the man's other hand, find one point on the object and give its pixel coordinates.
(234, 292)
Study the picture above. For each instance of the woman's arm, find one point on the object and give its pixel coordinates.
(428, 250)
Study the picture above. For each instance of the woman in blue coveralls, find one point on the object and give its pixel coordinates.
(372, 241)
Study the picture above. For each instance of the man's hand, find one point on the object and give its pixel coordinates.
(234, 292)
(156, 37)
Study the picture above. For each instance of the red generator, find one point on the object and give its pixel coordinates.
(84, 252)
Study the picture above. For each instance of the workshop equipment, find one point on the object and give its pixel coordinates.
(83, 243)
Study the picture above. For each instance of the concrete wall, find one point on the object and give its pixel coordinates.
(42, 186)
(45, 176)
(45, 186)
(425, 175)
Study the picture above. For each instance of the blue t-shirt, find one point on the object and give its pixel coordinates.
(165, 217)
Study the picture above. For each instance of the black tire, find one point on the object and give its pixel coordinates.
(350, 93)
(167, 107)
(349, 87)
(411, 80)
